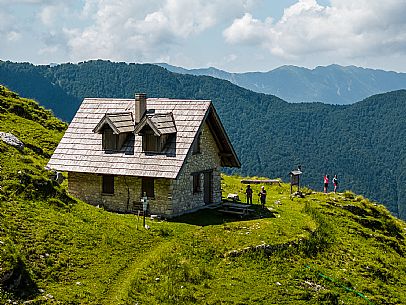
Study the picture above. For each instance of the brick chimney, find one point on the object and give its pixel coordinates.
(140, 106)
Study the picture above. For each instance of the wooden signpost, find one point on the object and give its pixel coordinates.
(295, 179)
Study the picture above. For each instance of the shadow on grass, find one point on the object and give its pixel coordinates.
(19, 282)
(207, 217)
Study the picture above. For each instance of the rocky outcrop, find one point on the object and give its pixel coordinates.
(12, 140)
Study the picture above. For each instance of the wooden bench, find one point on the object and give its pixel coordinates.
(268, 181)
(237, 209)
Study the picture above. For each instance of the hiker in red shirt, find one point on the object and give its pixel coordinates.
(325, 183)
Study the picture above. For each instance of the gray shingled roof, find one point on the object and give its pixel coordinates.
(80, 149)
(119, 122)
(160, 124)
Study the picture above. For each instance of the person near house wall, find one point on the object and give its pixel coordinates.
(262, 196)
(248, 192)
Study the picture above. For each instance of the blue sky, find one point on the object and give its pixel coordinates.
(236, 35)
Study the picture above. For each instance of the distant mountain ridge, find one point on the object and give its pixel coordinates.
(333, 84)
(363, 143)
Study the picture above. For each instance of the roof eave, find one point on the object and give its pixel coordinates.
(228, 159)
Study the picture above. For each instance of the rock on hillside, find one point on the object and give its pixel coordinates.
(12, 140)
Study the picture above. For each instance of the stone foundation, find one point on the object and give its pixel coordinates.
(127, 193)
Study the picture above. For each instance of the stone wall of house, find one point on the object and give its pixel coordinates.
(184, 200)
(127, 193)
(172, 197)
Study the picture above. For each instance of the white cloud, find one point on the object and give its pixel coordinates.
(8, 30)
(230, 58)
(51, 14)
(48, 50)
(29, 2)
(123, 30)
(248, 30)
(13, 36)
(346, 29)
(188, 32)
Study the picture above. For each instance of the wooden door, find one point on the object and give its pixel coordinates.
(208, 187)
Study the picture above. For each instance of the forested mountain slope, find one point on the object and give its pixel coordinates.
(107, 79)
(54, 249)
(30, 81)
(332, 84)
(362, 143)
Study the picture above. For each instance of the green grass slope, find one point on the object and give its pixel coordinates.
(54, 249)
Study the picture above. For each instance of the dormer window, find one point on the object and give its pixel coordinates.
(115, 129)
(150, 142)
(109, 139)
(156, 130)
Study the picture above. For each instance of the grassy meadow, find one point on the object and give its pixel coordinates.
(321, 249)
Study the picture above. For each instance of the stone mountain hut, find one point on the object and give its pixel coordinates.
(116, 150)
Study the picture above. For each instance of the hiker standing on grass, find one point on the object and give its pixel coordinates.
(248, 192)
(262, 196)
(325, 183)
(335, 182)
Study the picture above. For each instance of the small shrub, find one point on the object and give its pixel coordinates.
(163, 232)
(359, 198)
(379, 210)
(393, 228)
(371, 223)
(349, 195)
(20, 111)
(9, 256)
(328, 297)
(381, 273)
(27, 160)
(356, 210)
(307, 296)
(56, 202)
(12, 187)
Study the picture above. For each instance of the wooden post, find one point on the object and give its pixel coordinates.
(144, 201)
(298, 184)
(138, 218)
